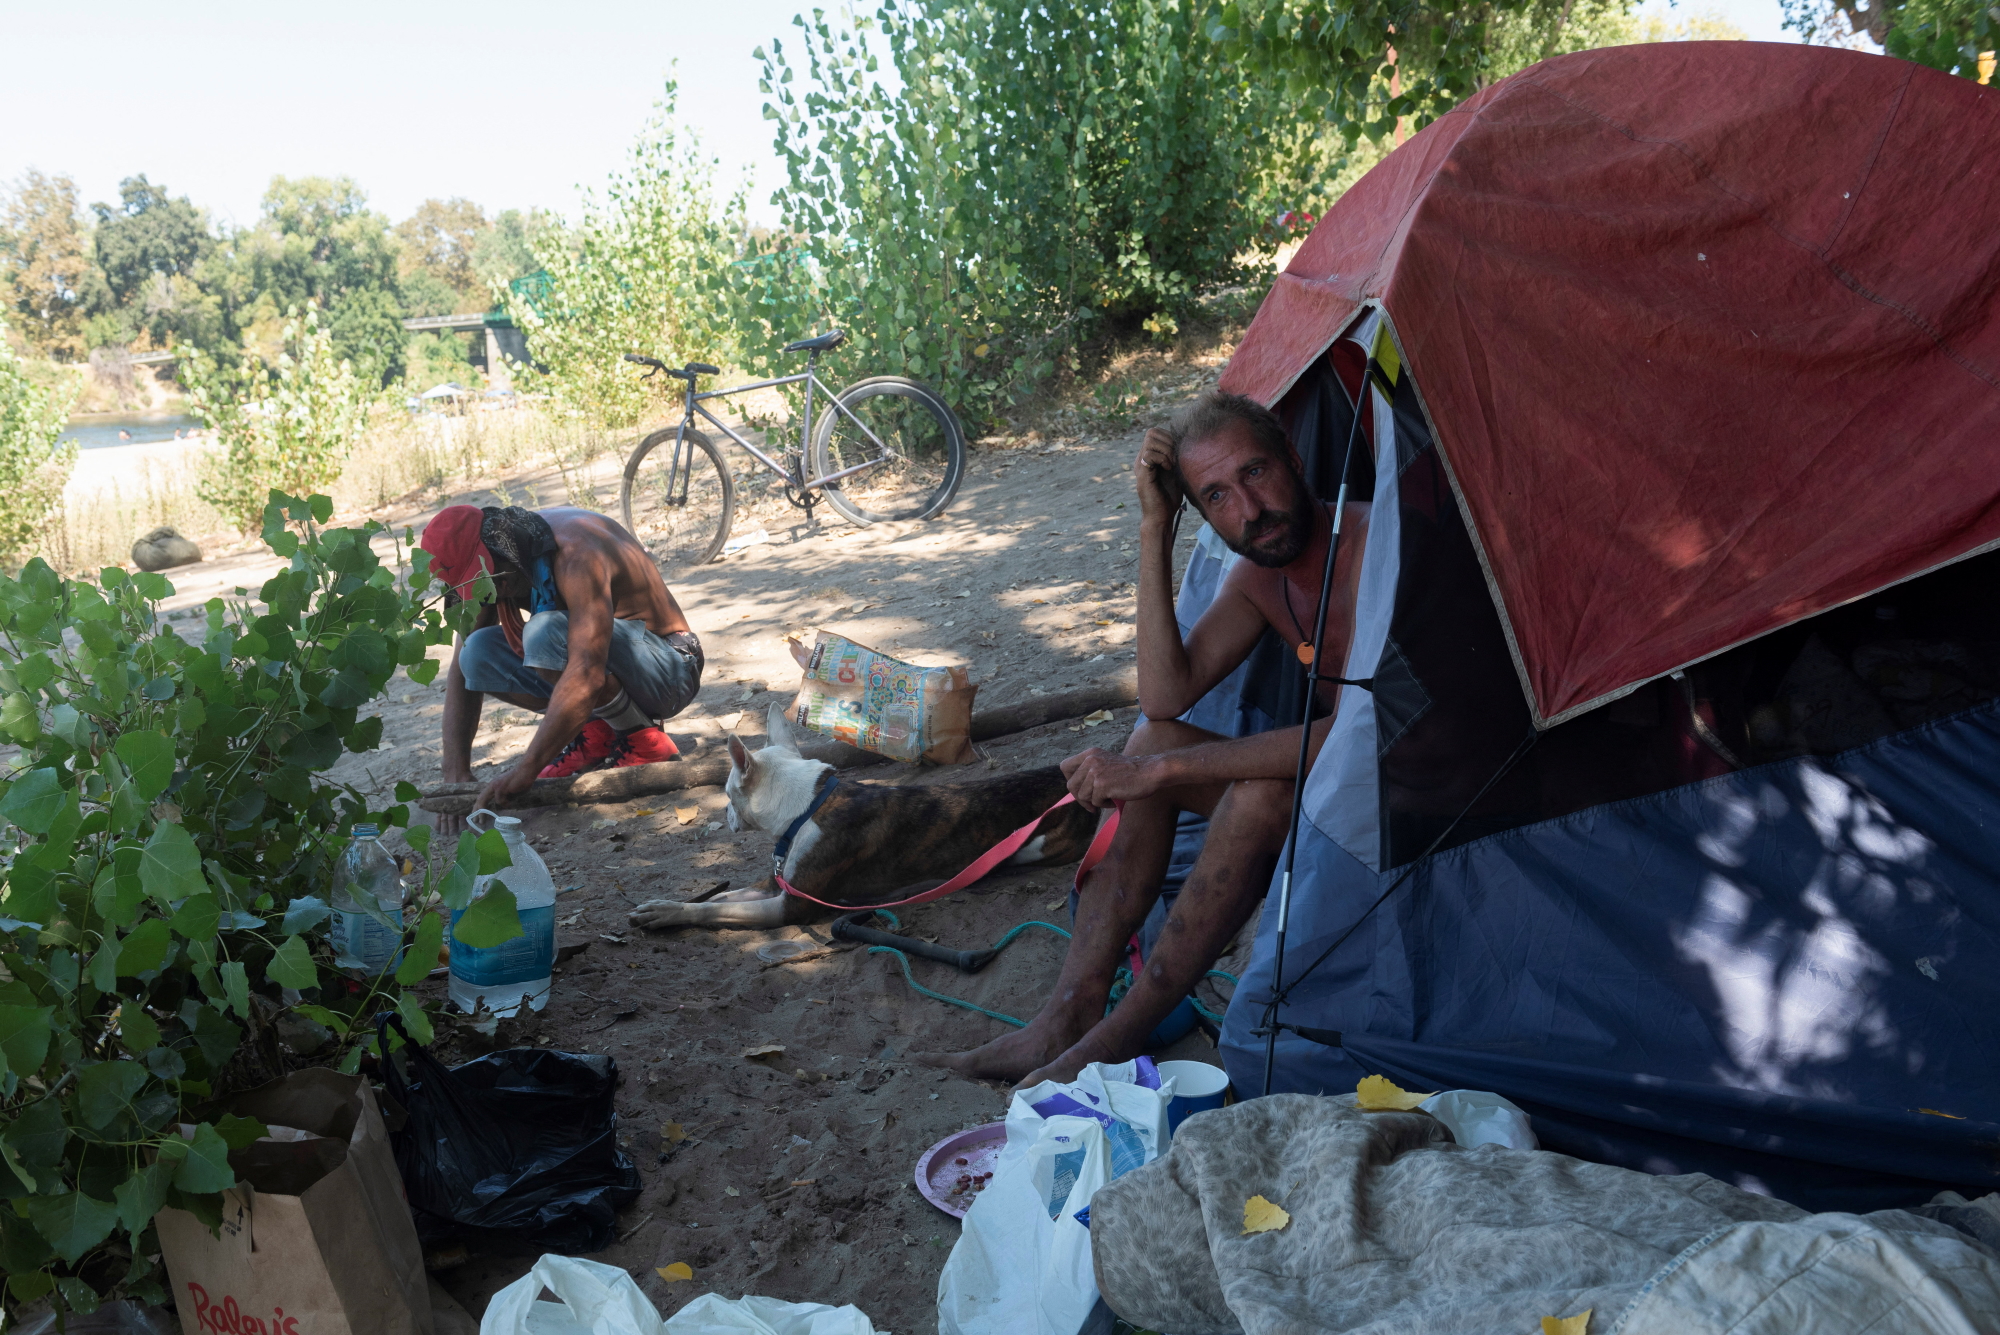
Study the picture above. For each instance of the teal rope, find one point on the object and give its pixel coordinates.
(1119, 986)
(960, 1002)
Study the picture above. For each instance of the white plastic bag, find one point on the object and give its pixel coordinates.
(594, 1299)
(598, 1299)
(1476, 1117)
(752, 1315)
(1022, 1264)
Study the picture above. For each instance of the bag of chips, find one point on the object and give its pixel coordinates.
(855, 695)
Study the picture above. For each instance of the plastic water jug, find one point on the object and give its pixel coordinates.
(367, 903)
(504, 976)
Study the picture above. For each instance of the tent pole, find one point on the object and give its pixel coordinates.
(1305, 732)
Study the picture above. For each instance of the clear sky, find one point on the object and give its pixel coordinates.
(508, 103)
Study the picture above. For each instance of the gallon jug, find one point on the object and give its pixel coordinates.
(367, 903)
(504, 976)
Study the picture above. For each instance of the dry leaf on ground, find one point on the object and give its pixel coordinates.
(687, 815)
(1568, 1325)
(1261, 1216)
(1092, 720)
(763, 1050)
(731, 1191)
(675, 1273)
(1378, 1093)
(673, 1133)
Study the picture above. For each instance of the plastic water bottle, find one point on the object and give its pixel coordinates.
(504, 976)
(367, 905)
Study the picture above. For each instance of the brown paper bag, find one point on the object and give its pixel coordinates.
(316, 1238)
(869, 700)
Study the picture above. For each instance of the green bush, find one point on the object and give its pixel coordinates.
(646, 268)
(33, 468)
(1033, 169)
(171, 846)
(287, 429)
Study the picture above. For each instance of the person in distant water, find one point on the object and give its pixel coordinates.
(604, 656)
(124, 434)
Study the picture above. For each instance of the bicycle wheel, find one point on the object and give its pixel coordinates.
(905, 440)
(680, 511)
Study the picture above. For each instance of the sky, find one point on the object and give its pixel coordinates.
(507, 103)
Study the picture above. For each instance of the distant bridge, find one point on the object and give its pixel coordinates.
(504, 343)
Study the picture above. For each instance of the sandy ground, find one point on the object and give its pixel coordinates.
(796, 1177)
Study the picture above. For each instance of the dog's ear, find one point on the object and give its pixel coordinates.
(779, 729)
(741, 760)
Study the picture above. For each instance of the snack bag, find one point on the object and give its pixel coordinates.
(855, 695)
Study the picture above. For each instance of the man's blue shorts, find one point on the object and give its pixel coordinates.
(661, 678)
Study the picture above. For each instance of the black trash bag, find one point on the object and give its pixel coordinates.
(520, 1146)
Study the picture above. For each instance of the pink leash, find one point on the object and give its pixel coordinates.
(986, 862)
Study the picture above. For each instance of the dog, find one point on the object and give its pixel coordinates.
(858, 843)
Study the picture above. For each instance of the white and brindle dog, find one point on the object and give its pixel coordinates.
(854, 843)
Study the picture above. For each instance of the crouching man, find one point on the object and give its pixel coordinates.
(1232, 458)
(604, 655)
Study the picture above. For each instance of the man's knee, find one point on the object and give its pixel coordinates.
(545, 641)
(1153, 736)
(1258, 809)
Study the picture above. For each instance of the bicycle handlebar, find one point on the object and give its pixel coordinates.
(688, 373)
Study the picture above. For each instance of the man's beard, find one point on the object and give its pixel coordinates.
(1293, 529)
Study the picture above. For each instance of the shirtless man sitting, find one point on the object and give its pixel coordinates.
(605, 655)
(1232, 458)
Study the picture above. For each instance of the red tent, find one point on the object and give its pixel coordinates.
(1706, 332)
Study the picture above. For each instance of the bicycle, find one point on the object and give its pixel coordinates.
(890, 449)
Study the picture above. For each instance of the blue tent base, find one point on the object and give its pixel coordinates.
(1767, 977)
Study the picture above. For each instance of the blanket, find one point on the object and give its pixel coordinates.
(1395, 1229)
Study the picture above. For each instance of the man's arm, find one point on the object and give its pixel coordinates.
(1099, 778)
(462, 708)
(584, 580)
(1174, 674)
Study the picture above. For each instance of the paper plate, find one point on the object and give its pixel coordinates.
(939, 1170)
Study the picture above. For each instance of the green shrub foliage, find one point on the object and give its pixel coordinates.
(1032, 169)
(170, 844)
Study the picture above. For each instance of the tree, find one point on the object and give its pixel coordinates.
(1030, 168)
(647, 267)
(440, 240)
(290, 427)
(317, 242)
(33, 468)
(1956, 36)
(148, 247)
(48, 268)
(506, 250)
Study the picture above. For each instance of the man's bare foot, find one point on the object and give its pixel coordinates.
(1067, 1065)
(1009, 1056)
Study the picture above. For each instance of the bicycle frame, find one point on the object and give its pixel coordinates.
(810, 378)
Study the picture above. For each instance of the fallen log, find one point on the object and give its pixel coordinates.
(622, 785)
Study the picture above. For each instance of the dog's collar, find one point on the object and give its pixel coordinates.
(784, 848)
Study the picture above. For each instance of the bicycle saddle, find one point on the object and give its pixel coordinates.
(826, 342)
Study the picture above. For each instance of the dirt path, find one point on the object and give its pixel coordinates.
(795, 1179)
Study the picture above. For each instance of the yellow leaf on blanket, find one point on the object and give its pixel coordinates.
(675, 1273)
(687, 815)
(1378, 1093)
(1261, 1216)
(1568, 1325)
(1935, 1113)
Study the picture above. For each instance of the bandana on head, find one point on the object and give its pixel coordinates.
(458, 555)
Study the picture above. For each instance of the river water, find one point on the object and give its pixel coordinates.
(97, 431)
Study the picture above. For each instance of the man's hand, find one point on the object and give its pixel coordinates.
(1156, 479)
(1097, 778)
(503, 790)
